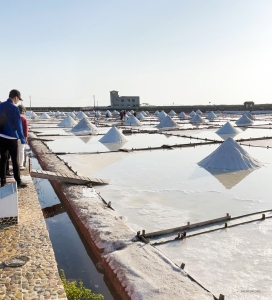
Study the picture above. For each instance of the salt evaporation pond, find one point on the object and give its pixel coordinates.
(75, 144)
(235, 262)
(166, 188)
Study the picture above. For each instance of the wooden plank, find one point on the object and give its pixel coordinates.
(188, 226)
(65, 178)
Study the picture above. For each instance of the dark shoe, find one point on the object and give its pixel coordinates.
(22, 185)
(9, 175)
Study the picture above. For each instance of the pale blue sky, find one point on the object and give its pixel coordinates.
(63, 52)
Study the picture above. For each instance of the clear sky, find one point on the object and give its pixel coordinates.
(184, 52)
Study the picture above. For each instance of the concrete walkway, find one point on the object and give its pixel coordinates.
(39, 277)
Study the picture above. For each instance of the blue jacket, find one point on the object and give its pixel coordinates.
(13, 127)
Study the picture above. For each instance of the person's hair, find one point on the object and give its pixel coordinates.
(21, 109)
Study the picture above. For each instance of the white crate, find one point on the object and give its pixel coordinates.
(9, 201)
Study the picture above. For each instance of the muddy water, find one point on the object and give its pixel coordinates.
(72, 253)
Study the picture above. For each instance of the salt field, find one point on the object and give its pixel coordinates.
(156, 182)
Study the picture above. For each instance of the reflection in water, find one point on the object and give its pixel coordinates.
(225, 136)
(51, 211)
(85, 139)
(229, 179)
(114, 146)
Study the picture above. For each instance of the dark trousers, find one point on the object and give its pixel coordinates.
(9, 146)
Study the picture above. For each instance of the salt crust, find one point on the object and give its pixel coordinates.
(167, 122)
(144, 271)
(113, 136)
(132, 121)
(68, 121)
(85, 126)
(227, 129)
(230, 156)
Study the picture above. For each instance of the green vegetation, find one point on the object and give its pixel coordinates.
(76, 291)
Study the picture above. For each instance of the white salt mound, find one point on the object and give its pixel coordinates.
(199, 112)
(172, 113)
(197, 119)
(81, 115)
(45, 116)
(132, 121)
(211, 115)
(167, 122)
(139, 116)
(68, 121)
(249, 115)
(230, 156)
(85, 126)
(156, 113)
(161, 115)
(244, 120)
(113, 136)
(182, 115)
(192, 113)
(227, 129)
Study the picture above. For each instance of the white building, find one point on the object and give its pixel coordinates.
(124, 102)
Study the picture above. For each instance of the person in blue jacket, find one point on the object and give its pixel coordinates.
(10, 132)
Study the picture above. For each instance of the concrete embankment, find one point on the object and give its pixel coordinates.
(137, 270)
(39, 277)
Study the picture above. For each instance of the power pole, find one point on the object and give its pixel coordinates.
(30, 101)
(94, 101)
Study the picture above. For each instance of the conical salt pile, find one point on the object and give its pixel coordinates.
(97, 114)
(192, 113)
(128, 114)
(227, 129)
(162, 115)
(113, 136)
(249, 115)
(156, 113)
(44, 116)
(34, 116)
(197, 119)
(211, 115)
(132, 121)
(172, 113)
(81, 115)
(182, 115)
(139, 116)
(244, 120)
(71, 114)
(115, 113)
(68, 121)
(199, 112)
(143, 113)
(167, 122)
(85, 126)
(230, 156)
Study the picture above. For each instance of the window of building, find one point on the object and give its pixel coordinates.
(133, 105)
(133, 100)
(122, 104)
(128, 100)
(122, 100)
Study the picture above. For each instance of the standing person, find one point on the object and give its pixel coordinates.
(21, 147)
(10, 132)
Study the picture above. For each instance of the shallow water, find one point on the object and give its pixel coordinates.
(72, 253)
